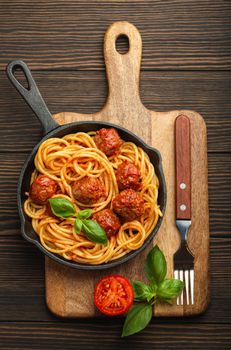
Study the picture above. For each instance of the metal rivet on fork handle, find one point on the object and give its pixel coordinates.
(183, 207)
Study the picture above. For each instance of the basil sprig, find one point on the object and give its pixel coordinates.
(84, 214)
(155, 266)
(94, 231)
(78, 226)
(137, 319)
(143, 292)
(169, 289)
(61, 207)
(158, 289)
(64, 209)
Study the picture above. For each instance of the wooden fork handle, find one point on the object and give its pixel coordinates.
(183, 167)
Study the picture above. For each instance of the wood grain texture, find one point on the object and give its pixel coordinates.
(68, 291)
(49, 336)
(183, 167)
(86, 92)
(68, 33)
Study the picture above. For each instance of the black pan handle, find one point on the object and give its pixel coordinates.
(31, 95)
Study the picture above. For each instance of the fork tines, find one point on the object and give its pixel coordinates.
(186, 276)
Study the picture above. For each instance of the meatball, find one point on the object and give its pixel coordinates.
(88, 190)
(42, 189)
(108, 141)
(108, 221)
(128, 176)
(129, 205)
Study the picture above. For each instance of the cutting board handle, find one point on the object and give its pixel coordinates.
(123, 70)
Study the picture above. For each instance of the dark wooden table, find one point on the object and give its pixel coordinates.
(186, 64)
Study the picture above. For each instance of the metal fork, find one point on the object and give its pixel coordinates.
(183, 258)
(184, 264)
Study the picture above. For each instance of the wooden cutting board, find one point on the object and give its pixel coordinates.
(69, 292)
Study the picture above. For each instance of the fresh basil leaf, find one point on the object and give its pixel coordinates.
(78, 226)
(155, 266)
(142, 291)
(61, 207)
(84, 214)
(153, 287)
(169, 289)
(137, 319)
(94, 231)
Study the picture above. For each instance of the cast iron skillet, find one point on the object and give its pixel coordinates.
(34, 99)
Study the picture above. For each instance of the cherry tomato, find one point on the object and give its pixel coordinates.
(113, 295)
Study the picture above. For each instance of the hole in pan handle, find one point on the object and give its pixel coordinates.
(31, 95)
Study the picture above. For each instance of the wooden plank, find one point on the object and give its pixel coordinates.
(86, 92)
(48, 336)
(68, 33)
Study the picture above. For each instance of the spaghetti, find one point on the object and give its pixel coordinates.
(72, 158)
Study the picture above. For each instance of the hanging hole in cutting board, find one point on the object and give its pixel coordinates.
(122, 44)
